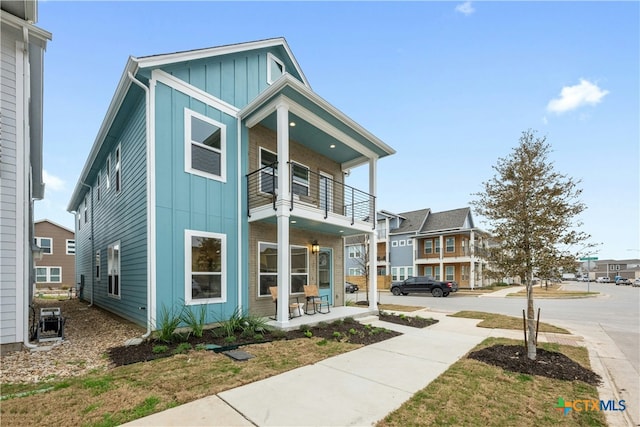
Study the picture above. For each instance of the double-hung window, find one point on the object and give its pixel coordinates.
(46, 244)
(428, 246)
(118, 180)
(205, 267)
(437, 249)
(450, 244)
(355, 251)
(205, 146)
(449, 272)
(107, 173)
(300, 179)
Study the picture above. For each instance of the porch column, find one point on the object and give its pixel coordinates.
(472, 252)
(282, 213)
(373, 241)
(441, 257)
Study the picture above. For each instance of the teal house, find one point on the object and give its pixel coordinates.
(216, 175)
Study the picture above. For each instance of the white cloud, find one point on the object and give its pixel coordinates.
(52, 182)
(572, 97)
(465, 8)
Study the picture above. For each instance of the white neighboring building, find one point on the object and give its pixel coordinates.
(21, 75)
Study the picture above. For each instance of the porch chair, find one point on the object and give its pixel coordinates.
(316, 300)
(293, 306)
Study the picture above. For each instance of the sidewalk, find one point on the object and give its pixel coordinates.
(330, 392)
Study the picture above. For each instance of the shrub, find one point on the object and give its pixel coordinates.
(169, 321)
(182, 348)
(195, 320)
(308, 333)
(157, 349)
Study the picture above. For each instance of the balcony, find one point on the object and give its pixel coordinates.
(312, 192)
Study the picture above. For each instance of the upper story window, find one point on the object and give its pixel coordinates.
(275, 68)
(402, 242)
(85, 209)
(71, 247)
(98, 187)
(394, 243)
(118, 179)
(409, 242)
(46, 244)
(428, 247)
(269, 171)
(355, 251)
(107, 173)
(450, 244)
(205, 146)
(437, 249)
(300, 177)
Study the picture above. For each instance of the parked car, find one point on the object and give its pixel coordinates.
(350, 287)
(623, 281)
(636, 283)
(424, 284)
(602, 280)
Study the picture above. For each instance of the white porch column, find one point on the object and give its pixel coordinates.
(282, 214)
(472, 252)
(441, 257)
(373, 241)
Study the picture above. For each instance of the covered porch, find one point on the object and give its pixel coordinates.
(336, 313)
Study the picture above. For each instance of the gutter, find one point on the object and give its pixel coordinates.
(150, 240)
(93, 250)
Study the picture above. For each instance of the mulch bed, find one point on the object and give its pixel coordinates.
(415, 321)
(547, 364)
(345, 330)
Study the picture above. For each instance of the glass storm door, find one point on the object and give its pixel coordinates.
(325, 273)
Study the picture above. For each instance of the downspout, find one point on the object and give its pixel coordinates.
(93, 249)
(150, 272)
(26, 78)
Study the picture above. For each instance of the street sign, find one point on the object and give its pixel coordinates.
(591, 258)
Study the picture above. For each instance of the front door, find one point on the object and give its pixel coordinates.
(325, 273)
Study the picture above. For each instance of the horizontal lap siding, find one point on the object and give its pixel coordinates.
(120, 217)
(8, 260)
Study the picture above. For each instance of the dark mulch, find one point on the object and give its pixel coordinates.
(415, 321)
(547, 364)
(346, 330)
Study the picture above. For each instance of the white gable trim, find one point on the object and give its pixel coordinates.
(194, 92)
(314, 120)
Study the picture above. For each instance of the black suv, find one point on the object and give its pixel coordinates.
(424, 284)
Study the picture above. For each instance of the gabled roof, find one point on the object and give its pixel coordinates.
(448, 220)
(413, 221)
(55, 224)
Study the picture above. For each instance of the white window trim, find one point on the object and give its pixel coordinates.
(430, 247)
(402, 243)
(271, 57)
(107, 172)
(299, 181)
(118, 169)
(394, 244)
(446, 246)
(276, 272)
(67, 246)
(188, 297)
(98, 187)
(119, 269)
(355, 271)
(39, 244)
(48, 274)
(98, 266)
(453, 272)
(355, 251)
(409, 242)
(188, 142)
(275, 171)
(85, 209)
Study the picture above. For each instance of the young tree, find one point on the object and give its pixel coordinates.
(531, 210)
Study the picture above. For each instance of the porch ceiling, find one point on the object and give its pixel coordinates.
(311, 225)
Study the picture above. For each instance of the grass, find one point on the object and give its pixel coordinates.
(500, 321)
(472, 393)
(398, 307)
(553, 291)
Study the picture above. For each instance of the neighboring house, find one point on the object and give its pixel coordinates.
(22, 48)
(445, 245)
(211, 176)
(627, 268)
(56, 266)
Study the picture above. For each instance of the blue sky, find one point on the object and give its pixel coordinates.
(450, 86)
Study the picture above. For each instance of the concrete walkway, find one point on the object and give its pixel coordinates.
(360, 387)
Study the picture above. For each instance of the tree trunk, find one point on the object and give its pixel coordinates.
(531, 321)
